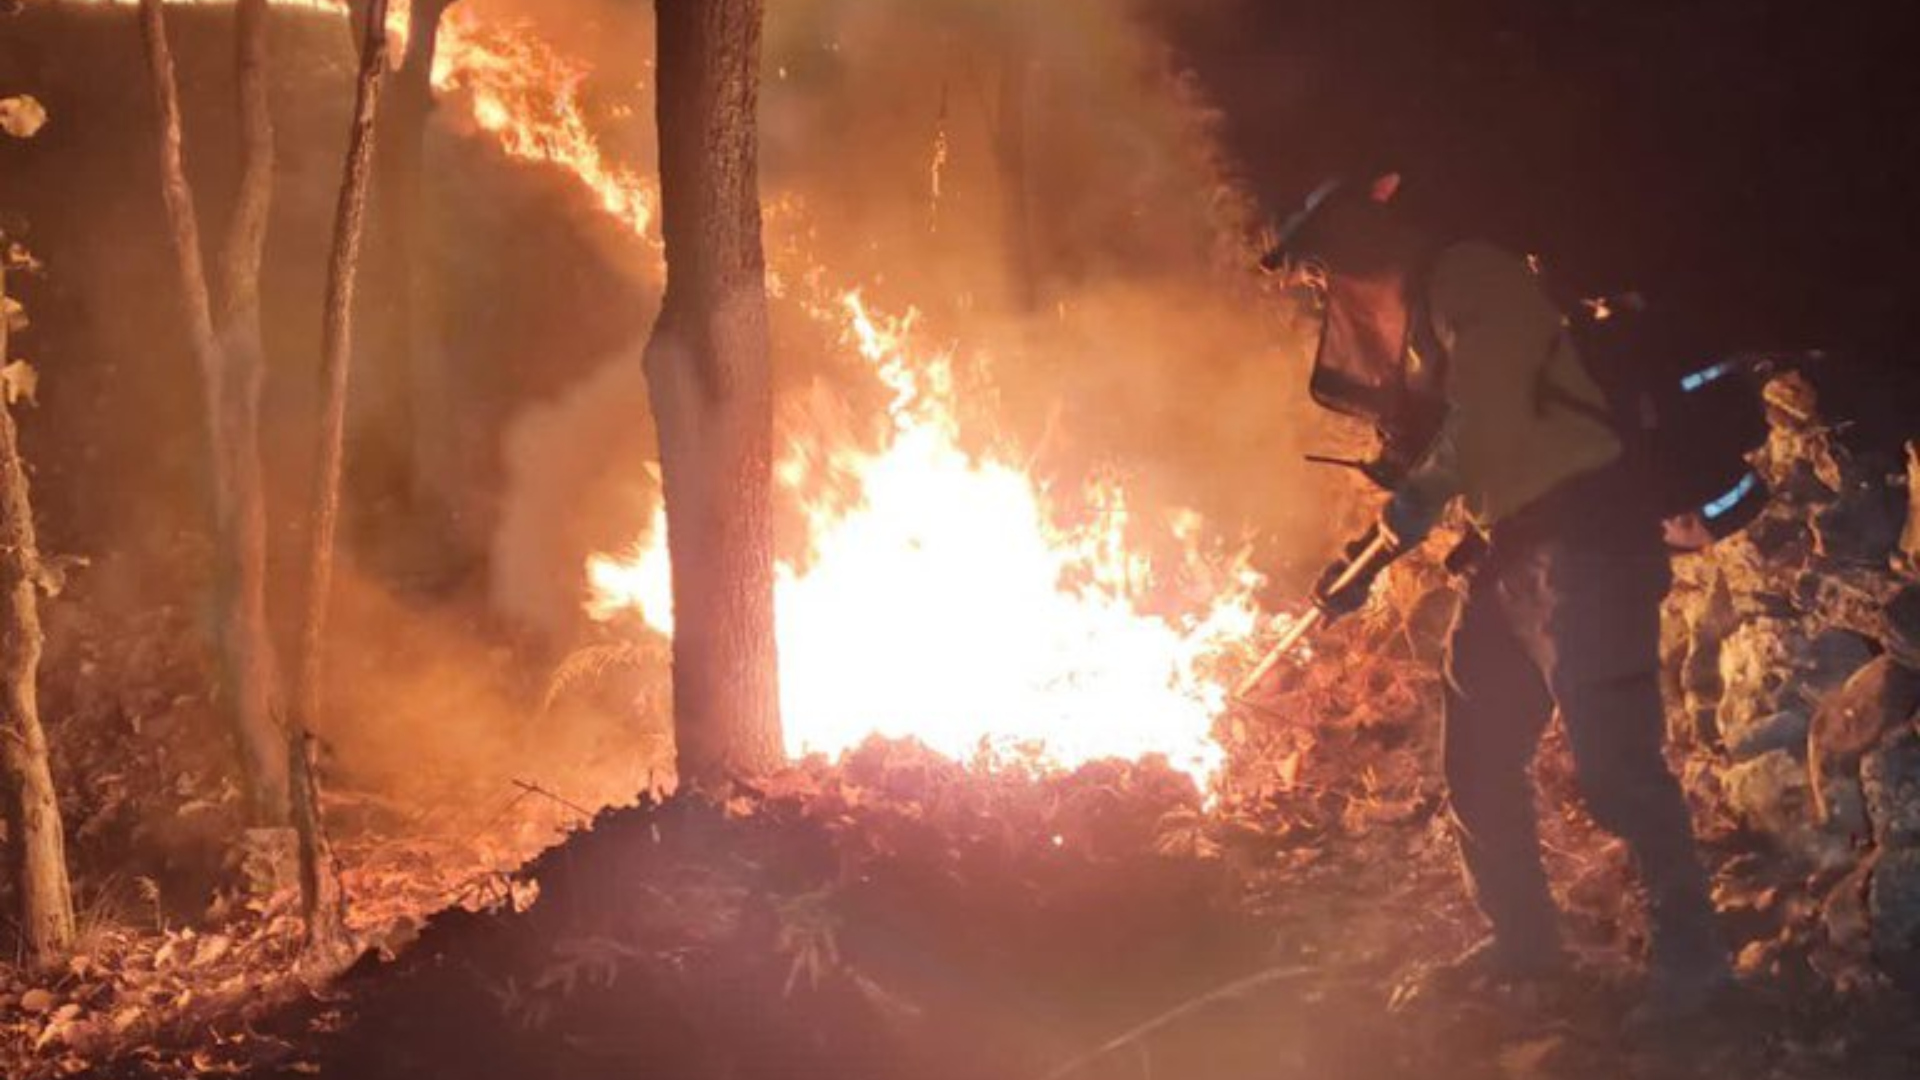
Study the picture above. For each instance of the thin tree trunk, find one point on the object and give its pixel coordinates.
(711, 387)
(230, 357)
(32, 811)
(405, 455)
(437, 478)
(239, 291)
(323, 899)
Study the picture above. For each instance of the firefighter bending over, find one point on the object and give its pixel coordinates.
(1466, 368)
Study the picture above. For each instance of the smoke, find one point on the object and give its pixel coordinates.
(575, 482)
(1035, 179)
(1038, 182)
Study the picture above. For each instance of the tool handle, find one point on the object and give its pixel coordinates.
(1280, 651)
(1379, 548)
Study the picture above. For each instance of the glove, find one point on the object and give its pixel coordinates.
(1413, 510)
(1336, 598)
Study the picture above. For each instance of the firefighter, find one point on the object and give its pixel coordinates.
(1466, 368)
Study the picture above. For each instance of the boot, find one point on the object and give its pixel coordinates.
(1687, 970)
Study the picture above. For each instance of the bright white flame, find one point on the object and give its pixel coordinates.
(946, 606)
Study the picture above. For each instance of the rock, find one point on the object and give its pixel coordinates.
(1768, 792)
(1893, 903)
(1848, 922)
(1697, 622)
(1849, 597)
(37, 1001)
(1890, 780)
(1841, 806)
(1771, 795)
(1832, 658)
(1755, 661)
(1902, 637)
(1855, 718)
(1783, 730)
(1861, 526)
(1780, 539)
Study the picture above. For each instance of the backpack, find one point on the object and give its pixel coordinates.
(1690, 416)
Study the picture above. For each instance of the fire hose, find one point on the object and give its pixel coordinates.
(1368, 557)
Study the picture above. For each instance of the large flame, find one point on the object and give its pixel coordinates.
(946, 603)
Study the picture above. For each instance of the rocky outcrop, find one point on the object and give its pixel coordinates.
(1795, 662)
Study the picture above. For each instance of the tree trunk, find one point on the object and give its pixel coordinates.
(32, 812)
(404, 457)
(323, 901)
(709, 377)
(230, 357)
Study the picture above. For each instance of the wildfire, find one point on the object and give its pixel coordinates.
(947, 606)
(946, 603)
(528, 97)
(517, 89)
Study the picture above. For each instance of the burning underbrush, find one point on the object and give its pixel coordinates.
(898, 913)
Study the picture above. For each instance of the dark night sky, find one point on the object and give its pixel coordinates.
(1758, 160)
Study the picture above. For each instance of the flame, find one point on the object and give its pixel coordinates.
(517, 89)
(396, 11)
(528, 97)
(946, 603)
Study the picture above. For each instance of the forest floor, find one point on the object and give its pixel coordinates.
(900, 915)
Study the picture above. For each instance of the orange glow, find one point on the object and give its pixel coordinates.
(519, 90)
(946, 603)
(947, 606)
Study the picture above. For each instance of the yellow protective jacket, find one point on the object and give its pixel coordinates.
(1511, 378)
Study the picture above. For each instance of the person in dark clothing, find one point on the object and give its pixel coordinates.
(1465, 366)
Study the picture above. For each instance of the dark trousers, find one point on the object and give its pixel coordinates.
(1565, 613)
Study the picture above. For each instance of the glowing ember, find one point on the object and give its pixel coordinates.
(940, 608)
